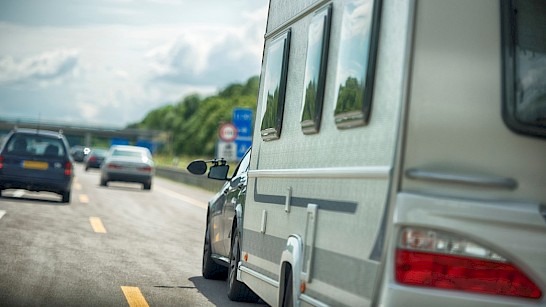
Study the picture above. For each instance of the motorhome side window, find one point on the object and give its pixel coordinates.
(315, 70)
(524, 108)
(356, 63)
(274, 87)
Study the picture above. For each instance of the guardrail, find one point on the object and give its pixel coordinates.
(182, 175)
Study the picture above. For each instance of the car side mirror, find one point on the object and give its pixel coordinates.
(219, 172)
(197, 167)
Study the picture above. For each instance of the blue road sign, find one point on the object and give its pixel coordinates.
(242, 120)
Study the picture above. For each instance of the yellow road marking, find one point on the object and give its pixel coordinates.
(191, 201)
(77, 186)
(134, 297)
(84, 199)
(96, 223)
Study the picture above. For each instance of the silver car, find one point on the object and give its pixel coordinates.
(128, 164)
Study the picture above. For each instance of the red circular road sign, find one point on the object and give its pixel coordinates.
(227, 132)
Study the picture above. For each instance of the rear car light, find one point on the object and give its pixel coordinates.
(68, 169)
(92, 159)
(113, 166)
(436, 259)
(1, 162)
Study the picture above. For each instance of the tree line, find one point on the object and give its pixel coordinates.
(192, 123)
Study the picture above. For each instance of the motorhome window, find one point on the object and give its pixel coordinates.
(524, 33)
(356, 63)
(315, 70)
(274, 87)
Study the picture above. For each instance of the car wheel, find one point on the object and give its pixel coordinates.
(147, 186)
(209, 268)
(103, 182)
(65, 197)
(236, 290)
(86, 168)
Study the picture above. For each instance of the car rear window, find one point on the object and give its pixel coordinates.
(126, 153)
(22, 144)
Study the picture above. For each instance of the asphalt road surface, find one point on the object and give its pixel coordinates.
(110, 246)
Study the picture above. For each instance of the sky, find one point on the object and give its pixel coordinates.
(110, 62)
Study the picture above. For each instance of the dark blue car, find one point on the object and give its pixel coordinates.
(36, 160)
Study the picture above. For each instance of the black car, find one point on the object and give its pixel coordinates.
(36, 160)
(222, 247)
(94, 158)
(78, 153)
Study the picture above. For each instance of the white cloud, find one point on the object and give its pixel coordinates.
(41, 69)
(114, 74)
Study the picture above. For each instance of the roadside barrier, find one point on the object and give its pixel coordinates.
(183, 176)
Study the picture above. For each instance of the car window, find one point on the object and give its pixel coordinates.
(275, 87)
(356, 61)
(524, 107)
(315, 70)
(126, 153)
(243, 165)
(21, 144)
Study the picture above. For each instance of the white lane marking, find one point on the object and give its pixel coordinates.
(18, 193)
(191, 201)
(2, 213)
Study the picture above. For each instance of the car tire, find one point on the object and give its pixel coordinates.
(103, 182)
(87, 168)
(65, 197)
(209, 268)
(147, 186)
(236, 290)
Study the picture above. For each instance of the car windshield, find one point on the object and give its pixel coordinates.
(35, 145)
(99, 152)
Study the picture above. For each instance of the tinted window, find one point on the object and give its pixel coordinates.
(356, 60)
(315, 70)
(274, 87)
(243, 165)
(524, 32)
(127, 153)
(24, 144)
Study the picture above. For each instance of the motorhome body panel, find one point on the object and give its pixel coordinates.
(434, 154)
(464, 172)
(344, 172)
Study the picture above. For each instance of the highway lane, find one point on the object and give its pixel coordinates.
(111, 246)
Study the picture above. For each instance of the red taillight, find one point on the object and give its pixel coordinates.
(435, 259)
(113, 166)
(68, 169)
(1, 162)
(92, 159)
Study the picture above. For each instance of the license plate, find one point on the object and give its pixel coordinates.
(35, 165)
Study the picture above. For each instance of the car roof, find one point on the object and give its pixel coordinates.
(130, 147)
(41, 132)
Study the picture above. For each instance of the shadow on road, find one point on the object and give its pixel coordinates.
(124, 187)
(215, 291)
(37, 199)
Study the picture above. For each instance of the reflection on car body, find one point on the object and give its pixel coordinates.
(127, 163)
(36, 160)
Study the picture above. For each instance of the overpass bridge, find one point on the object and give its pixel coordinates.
(83, 134)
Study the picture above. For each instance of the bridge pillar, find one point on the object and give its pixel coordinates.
(87, 139)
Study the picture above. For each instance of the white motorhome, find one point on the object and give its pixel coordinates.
(399, 155)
